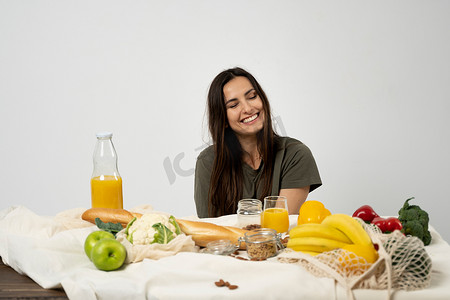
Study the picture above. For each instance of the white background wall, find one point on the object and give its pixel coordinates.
(364, 84)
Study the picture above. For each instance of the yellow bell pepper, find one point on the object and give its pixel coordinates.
(312, 211)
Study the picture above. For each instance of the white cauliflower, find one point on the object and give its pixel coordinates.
(143, 232)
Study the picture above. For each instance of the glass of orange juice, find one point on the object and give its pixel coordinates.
(275, 214)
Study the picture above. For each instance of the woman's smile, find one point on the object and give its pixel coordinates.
(250, 119)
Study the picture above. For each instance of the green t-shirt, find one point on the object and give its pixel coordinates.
(294, 167)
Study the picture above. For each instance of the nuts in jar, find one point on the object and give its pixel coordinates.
(262, 243)
(264, 249)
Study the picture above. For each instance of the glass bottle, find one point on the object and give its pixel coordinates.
(106, 183)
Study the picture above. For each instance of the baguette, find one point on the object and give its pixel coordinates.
(114, 215)
(202, 232)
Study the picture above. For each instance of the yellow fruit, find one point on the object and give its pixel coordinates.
(366, 251)
(318, 230)
(358, 260)
(312, 253)
(350, 227)
(314, 244)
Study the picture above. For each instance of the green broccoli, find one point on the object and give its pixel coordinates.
(414, 213)
(415, 221)
(414, 228)
(426, 238)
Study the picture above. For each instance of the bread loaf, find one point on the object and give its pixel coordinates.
(114, 215)
(202, 232)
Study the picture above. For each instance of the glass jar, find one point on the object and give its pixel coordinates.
(249, 212)
(220, 247)
(262, 243)
(106, 183)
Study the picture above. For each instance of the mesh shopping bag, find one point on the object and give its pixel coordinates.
(403, 264)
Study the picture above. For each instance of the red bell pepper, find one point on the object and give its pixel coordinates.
(366, 213)
(387, 225)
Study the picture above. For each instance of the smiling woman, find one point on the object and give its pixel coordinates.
(247, 158)
(245, 110)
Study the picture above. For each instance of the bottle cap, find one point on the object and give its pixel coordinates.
(104, 134)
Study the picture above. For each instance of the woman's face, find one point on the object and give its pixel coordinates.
(245, 112)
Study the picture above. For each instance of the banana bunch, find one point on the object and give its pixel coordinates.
(335, 231)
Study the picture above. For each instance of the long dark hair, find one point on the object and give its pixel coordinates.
(226, 186)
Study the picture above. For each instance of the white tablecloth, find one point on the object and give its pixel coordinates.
(50, 251)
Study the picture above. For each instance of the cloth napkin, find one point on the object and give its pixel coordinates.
(50, 250)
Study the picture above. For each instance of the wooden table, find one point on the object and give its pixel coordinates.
(16, 286)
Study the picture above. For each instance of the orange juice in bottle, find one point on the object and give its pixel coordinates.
(106, 183)
(106, 191)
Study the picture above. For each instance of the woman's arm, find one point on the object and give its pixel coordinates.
(295, 198)
(201, 188)
(203, 169)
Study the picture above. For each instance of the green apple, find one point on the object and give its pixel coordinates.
(108, 254)
(93, 238)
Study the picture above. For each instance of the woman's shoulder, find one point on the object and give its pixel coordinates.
(289, 143)
(292, 148)
(207, 154)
